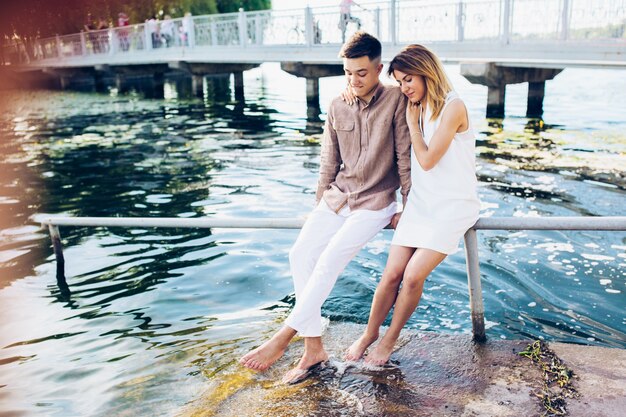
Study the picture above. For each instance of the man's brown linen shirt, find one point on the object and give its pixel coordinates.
(366, 152)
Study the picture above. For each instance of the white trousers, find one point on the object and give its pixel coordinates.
(325, 245)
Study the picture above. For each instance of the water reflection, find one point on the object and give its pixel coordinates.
(154, 316)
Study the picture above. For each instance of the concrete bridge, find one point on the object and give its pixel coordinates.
(497, 42)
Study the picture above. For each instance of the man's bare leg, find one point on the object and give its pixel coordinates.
(419, 267)
(314, 354)
(384, 298)
(269, 352)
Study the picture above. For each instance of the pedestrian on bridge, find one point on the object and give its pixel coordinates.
(122, 32)
(186, 30)
(345, 9)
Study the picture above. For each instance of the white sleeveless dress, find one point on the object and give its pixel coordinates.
(443, 203)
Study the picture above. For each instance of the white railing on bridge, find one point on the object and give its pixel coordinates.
(393, 21)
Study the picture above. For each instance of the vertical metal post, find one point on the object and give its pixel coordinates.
(393, 32)
(565, 19)
(113, 41)
(309, 26)
(243, 29)
(460, 20)
(377, 21)
(258, 25)
(83, 43)
(147, 36)
(505, 34)
(59, 47)
(192, 32)
(214, 37)
(473, 281)
(55, 236)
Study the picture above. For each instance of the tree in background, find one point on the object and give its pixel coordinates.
(28, 20)
(227, 6)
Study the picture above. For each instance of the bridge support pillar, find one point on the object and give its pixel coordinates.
(536, 92)
(496, 78)
(204, 69)
(100, 71)
(67, 75)
(312, 73)
(98, 80)
(495, 100)
(239, 93)
(197, 85)
(158, 84)
(313, 92)
(120, 83)
(64, 82)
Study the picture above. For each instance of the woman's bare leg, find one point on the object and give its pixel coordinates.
(384, 298)
(419, 267)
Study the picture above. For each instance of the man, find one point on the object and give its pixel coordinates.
(167, 31)
(365, 157)
(122, 34)
(345, 10)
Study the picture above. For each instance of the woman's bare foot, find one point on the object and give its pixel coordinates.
(358, 348)
(381, 353)
(261, 358)
(308, 361)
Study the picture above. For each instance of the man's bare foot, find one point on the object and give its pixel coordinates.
(269, 352)
(308, 361)
(381, 353)
(358, 348)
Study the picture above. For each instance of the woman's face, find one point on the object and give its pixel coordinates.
(412, 86)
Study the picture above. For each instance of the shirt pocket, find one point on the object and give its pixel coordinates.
(347, 139)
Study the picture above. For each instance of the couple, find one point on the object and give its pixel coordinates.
(374, 142)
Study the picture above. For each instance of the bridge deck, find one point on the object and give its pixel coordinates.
(569, 33)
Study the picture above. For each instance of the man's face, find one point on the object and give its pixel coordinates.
(362, 74)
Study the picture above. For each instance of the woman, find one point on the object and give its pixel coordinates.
(442, 204)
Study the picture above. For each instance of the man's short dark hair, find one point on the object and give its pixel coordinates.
(361, 44)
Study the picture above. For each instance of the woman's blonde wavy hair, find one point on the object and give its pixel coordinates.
(419, 60)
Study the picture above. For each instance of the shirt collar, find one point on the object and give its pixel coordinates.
(377, 93)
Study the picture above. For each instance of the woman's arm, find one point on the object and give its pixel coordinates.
(453, 120)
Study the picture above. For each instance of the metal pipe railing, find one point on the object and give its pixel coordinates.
(617, 223)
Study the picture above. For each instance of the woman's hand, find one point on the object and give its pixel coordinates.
(413, 111)
(395, 219)
(348, 95)
(451, 121)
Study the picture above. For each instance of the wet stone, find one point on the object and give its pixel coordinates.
(429, 375)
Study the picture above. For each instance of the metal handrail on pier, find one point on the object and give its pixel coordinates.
(617, 223)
